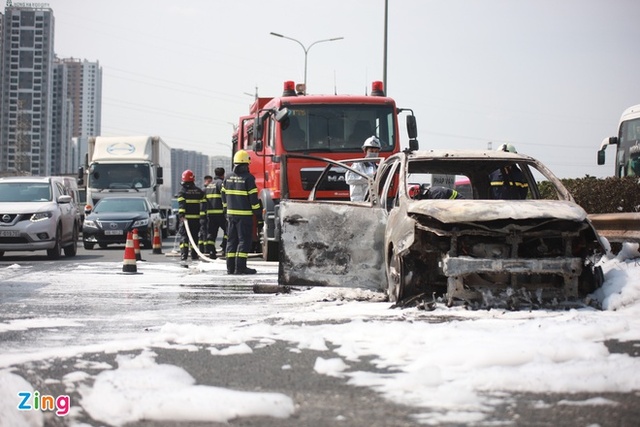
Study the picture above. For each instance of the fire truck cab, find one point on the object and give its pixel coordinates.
(279, 130)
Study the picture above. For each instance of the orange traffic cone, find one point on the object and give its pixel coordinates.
(136, 245)
(129, 263)
(157, 242)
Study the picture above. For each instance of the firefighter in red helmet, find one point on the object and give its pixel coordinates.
(189, 199)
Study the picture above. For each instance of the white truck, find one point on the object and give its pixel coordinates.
(128, 166)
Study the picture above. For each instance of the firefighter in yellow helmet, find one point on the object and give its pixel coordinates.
(189, 199)
(240, 200)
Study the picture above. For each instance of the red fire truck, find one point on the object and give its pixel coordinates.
(279, 130)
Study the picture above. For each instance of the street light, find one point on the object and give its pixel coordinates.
(306, 51)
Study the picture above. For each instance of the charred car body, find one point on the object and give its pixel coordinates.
(482, 251)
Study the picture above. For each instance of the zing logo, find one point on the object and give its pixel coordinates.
(34, 401)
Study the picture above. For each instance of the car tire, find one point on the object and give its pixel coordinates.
(88, 246)
(102, 245)
(396, 278)
(56, 251)
(72, 249)
(270, 249)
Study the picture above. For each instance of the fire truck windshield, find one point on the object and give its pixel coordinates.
(338, 128)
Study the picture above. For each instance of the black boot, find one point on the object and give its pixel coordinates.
(184, 256)
(241, 267)
(231, 266)
(211, 251)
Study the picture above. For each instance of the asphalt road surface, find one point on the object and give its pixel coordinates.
(320, 400)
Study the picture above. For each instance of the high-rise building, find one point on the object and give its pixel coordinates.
(84, 90)
(26, 82)
(61, 157)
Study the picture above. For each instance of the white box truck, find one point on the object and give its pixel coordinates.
(128, 166)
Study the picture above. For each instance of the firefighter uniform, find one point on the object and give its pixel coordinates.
(240, 199)
(509, 183)
(214, 216)
(441, 193)
(202, 235)
(189, 199)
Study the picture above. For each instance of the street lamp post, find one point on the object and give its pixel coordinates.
(306, 51)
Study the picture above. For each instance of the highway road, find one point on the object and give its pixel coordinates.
(81, 314)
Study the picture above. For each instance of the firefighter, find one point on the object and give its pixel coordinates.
(202, 235)
(508, 183)
(418, 192)
(189, 199)
(214, 215)
(240, 199)
(359, 185)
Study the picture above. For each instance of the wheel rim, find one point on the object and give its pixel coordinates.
(396, 275)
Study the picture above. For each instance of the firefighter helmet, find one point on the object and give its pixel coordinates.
(371, 142)
(188, 176)
(507, 147)
(241, 157)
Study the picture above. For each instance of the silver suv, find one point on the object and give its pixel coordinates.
(38, 213)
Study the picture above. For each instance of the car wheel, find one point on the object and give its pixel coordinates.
(88, 246)
(56, 251)
(102, 245)
(396, 278)
(72, 249)
(270, 250)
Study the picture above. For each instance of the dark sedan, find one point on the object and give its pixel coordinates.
(112, 218)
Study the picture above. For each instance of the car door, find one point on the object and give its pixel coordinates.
(65, 209)
(332, 243)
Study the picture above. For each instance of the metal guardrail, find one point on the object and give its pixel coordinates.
(618, 227)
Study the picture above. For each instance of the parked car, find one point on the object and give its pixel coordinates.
(172, 221)
(39, 213)
(113, 217)
(479, 250)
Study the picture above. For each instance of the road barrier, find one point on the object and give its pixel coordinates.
(136, 245)
(129, 263)
(618, 227)
(157, 242)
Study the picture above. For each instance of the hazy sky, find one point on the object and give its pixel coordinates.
(552, 77)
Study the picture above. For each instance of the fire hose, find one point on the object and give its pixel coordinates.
(194, 245)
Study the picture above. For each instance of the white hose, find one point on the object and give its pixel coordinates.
(193, 244)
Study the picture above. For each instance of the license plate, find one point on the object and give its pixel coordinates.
(9, 233)
(113, 232)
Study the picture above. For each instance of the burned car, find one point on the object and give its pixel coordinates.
(481, 250)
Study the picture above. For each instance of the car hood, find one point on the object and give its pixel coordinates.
(117, 216)
(26, 207)
(458, 211)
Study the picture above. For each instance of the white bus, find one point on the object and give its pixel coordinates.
(627, 144)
